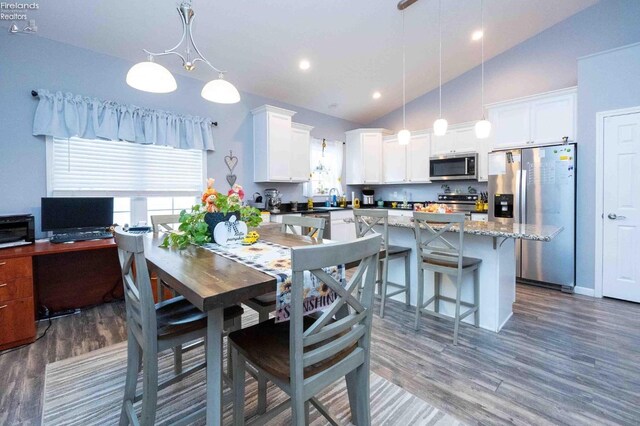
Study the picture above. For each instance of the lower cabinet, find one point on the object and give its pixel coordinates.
(341, 230)
(17, 311)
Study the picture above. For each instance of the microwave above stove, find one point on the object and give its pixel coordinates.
(454, 167)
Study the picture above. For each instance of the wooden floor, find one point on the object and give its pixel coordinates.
(561, 359)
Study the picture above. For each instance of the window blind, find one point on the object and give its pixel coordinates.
(117, 168)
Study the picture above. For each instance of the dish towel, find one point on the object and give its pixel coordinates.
(275, 260)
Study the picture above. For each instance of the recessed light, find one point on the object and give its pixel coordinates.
(376, 95)
(477, 35)
(304, 64)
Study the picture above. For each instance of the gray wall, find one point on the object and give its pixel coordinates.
(607, 81)
(29, 62)
(549, 61)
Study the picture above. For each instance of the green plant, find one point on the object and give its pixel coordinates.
(192, 230)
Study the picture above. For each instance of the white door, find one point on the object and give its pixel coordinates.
(394, 161)
(300, 155)
(279, 140)
(621, 239)
(511, 125)
(418, 153)
(372, 157)
(553, 119)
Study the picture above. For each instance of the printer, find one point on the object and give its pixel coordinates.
(16, 230)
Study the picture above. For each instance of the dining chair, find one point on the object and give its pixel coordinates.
(153, 328)
(435, 253)
(266, 303)
(309, 353)
(163, 223)
(365, 220)
(314, 226)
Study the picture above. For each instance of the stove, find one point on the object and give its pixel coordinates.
(460, 203)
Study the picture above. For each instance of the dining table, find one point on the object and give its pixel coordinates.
(212, 282)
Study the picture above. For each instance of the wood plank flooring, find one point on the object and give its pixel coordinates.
(561, 359)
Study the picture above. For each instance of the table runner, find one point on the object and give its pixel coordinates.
(275, 260)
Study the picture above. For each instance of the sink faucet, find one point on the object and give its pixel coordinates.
(334, 197)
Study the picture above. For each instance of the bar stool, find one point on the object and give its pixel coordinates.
(365, 220)
(444, 258)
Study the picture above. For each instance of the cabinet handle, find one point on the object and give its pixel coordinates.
(3, 285)
(3, 306)
(3, 263)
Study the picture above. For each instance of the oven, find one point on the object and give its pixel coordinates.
(454, 167)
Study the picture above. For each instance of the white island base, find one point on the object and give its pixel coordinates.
(497, 276)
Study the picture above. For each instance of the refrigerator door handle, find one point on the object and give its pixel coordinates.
(523, 196)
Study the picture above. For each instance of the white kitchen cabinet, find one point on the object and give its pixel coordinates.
(482, 166)
(364, 156)
(418, 153)
(479, 217)
(341, 230)
(277, 148)
(394, 161)
(300, 151)
(535, 120)
(460, 138)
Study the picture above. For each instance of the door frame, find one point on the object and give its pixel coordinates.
(599, 192)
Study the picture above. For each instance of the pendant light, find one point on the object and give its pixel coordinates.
(483, 127)
(440, 125)
(151, 77)
(404, 135)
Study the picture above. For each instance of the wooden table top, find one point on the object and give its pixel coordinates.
(40, 248)
(209, 280)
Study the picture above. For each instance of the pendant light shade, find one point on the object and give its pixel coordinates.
(483, 129)
(151, 77)
(404, 137)
(440, 127)
(220, 91)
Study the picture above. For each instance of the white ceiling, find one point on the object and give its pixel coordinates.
(354, 45)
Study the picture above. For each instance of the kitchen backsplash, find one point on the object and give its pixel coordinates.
(423, 192)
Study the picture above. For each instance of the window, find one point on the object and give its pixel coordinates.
(143, 179)
(326, 166)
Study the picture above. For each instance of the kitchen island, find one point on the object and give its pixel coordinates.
(492, 242)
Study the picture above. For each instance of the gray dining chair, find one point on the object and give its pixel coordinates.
(153, 328)
(365, 220)
(164, 223)
(266, 303)
(314, 226)
(308, 353)
(437, 254)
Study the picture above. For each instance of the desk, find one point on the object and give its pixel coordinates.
(211, 282)
(58, 276)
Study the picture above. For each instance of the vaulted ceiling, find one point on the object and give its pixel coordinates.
(354, 46)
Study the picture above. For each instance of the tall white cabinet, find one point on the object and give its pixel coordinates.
(406, 163)
(279, 145)
(364, 156)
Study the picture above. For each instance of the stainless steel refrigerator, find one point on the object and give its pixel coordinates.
(537, 186)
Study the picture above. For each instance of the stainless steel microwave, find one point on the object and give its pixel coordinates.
(454, 167)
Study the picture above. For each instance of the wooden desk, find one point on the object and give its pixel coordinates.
(211, 282)
(58, 276)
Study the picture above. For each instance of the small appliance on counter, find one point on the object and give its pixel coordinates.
(367, 197)
(257, 201)
(16, 230)
(272, 200)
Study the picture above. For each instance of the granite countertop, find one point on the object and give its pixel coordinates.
(491, 229)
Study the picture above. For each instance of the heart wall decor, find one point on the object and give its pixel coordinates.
(231, 161)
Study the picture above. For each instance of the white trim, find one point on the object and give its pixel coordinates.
(604, 52)
(505, 321)
(536, 96)
(584, 291)
(599, 191)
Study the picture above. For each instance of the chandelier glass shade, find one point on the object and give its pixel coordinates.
(220, 91)
(440, 127)
(151, 77)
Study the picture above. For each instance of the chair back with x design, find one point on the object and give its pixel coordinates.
(366, 219)
(430, 242)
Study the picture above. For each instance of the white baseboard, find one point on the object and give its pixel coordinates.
(584, 291)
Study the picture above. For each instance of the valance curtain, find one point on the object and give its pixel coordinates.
(65, 115)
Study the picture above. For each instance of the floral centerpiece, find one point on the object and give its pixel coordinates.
(195, 225)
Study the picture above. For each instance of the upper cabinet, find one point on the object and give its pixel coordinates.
(364, 156)
(534, 120)
(279, 146)
(394, 161)
(458, 139)
(418, 153)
